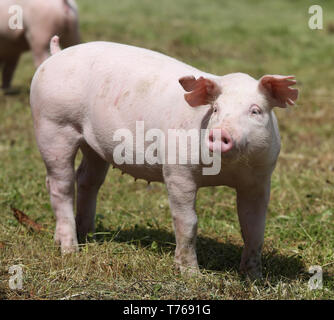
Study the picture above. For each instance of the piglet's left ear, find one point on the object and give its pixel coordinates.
(278, 89)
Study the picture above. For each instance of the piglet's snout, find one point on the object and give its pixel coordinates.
(220, 140)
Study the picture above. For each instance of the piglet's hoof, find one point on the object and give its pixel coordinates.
(188, 271)
(68, 245)
(251, 273)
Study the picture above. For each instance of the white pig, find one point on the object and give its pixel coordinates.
(41, 19)
(82, 96)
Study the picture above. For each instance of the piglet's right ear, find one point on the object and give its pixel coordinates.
(202, 90)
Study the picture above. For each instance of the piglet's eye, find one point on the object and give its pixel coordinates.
(215, 109)
(255, 110)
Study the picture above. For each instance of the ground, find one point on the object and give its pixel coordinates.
(131, 256)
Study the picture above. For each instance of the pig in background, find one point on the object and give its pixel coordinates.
(41, 20)
(128, 84)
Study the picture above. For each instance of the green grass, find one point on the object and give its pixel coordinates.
(131, 256)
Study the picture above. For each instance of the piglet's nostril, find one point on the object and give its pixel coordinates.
(211, 136)
(226, 141)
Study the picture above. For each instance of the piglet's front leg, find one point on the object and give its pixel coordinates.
(182, 198)
(252, 203)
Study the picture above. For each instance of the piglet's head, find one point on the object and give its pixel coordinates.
(241, 118)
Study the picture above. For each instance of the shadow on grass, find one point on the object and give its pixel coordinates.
(212, 255)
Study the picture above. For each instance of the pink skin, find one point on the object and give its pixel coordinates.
(41, 20)
(125, 84)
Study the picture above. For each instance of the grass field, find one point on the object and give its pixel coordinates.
(131, 256)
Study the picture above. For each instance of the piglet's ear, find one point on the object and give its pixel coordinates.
(202, 91)
(278, 89)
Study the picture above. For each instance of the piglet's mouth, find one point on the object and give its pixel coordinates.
(219, 140)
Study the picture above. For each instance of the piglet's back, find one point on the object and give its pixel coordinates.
(72, 78)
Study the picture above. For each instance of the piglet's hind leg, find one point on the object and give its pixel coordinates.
(90, 176)
(58, 146)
